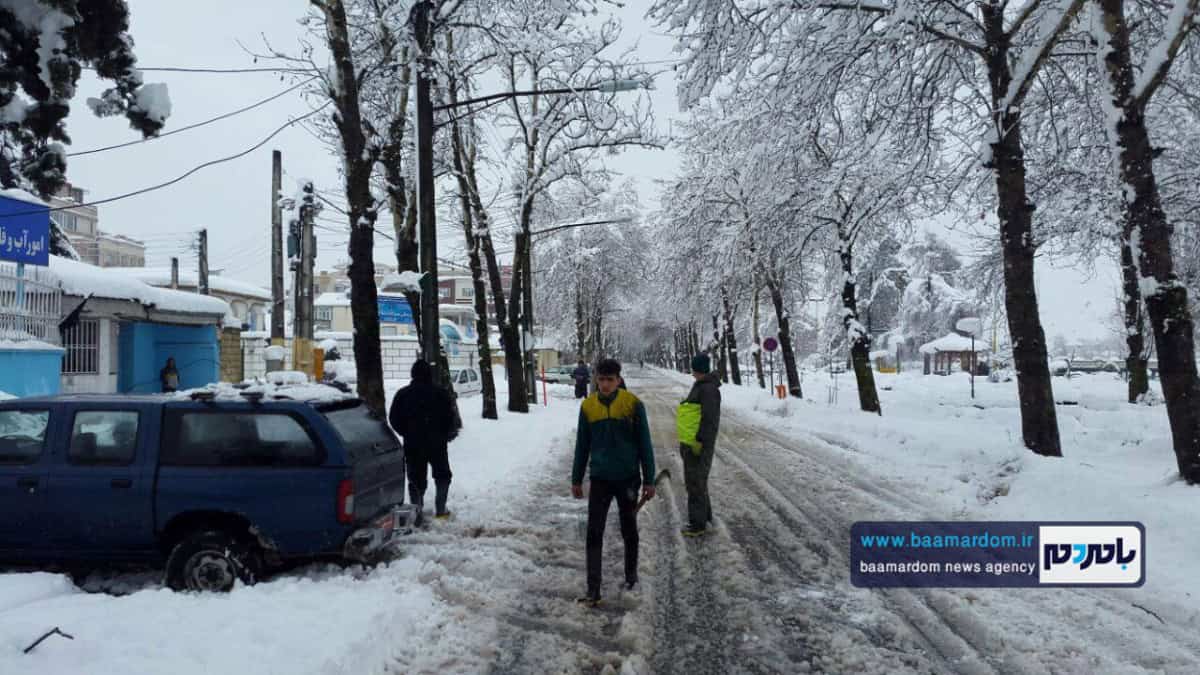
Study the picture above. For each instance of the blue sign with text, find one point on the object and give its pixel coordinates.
(394, 310)
(24, 231)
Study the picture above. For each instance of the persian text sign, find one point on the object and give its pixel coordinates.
(997, 554)
(394, 310)
(24, 232)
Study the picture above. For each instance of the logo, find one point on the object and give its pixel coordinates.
(1098, 555)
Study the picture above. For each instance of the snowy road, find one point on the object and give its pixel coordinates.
(769, 591)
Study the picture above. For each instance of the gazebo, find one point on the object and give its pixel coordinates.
(941, 354)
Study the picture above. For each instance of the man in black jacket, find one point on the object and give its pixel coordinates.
(424, 416)
(705, 391)
(582, 378)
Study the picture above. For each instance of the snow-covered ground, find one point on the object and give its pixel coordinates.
(321, 619)
(965, 455)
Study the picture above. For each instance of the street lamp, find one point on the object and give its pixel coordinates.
(426, 212)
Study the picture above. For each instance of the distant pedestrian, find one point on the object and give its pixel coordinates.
(169, 376)
(423, 414)
(582, 377)
(613, 443)
(697, 452)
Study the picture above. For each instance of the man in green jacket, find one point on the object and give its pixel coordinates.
(615, 434)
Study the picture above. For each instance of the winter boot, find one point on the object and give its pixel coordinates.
(416, 497)
(592, 599)
(439, 501)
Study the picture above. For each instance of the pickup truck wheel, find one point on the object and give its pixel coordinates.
(212, 561)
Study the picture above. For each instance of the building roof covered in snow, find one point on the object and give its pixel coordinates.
(80, 279)
(953, 342)
(332, 299)
(161, 277)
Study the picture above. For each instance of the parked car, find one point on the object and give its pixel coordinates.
(466, 381)
(212, 489)
(559, 375)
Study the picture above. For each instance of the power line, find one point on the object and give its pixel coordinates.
(180, 130)
(176, 69)
(152, 188)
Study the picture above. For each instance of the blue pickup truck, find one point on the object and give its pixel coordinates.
(214, 489)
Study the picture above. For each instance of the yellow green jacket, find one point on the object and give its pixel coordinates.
(615, 435)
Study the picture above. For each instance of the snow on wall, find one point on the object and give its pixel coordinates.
(399, 353)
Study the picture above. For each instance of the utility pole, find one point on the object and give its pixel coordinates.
(202, 285)
(302, 356)
(277, 301)
(174, 273)
(527, 316)
(426, 212)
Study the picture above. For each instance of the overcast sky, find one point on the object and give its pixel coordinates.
(232, 200)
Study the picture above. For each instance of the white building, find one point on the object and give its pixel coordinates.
(81, 224)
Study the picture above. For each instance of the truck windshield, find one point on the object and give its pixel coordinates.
(363, 434)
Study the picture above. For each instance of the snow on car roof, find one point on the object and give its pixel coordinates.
(309, 392)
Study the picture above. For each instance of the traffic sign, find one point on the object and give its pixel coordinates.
(770, 344)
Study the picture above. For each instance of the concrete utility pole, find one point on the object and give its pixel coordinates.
(526, 240)
(426, 211)
(277, 300)
(202, 284)
(302, 356)
(174, 273)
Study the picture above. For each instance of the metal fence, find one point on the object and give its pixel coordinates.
(30, 307)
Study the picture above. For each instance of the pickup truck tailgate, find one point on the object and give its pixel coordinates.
(376, 458)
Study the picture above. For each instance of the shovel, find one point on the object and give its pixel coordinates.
(663, 475)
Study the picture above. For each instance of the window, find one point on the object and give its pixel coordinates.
(68, 221)
(81, 343)
(324, 313)
(107, 437)
(474, 375)
(466, 292)
(444, 291)
(22, 435)
(364, 434)
(239, 439)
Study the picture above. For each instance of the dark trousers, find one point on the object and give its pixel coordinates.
(695, 478)
(418, 461)
(601, 496)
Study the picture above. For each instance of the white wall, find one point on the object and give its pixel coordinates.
(399, 353)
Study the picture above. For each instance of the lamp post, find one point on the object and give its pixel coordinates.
(426, 212)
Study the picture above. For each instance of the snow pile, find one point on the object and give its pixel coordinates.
(405, 282)
(288, 388)
(80, 279)
(282, 378)
(153, 100)
(31, 345)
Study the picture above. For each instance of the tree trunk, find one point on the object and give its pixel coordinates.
(487, 379)
(856, 335)
(758, 364)
(511, 343)
(785, 341)
(518, 398)
(1136, 362)
(735, 368)
(357, 162)
(1166, 298)
(1039, 420)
